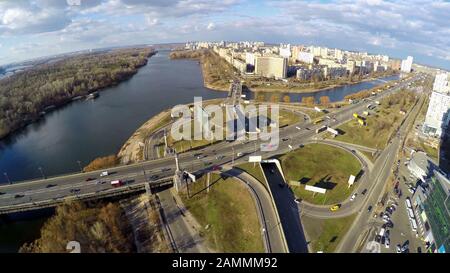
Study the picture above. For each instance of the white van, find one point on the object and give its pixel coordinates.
(105, 173)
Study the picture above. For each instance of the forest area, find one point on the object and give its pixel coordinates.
(24, 96)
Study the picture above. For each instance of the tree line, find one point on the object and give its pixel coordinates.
(25, 95)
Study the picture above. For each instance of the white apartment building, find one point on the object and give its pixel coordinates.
(285, 51)
(407, 64)
(305, 57)
(441, 83)
(437, 118)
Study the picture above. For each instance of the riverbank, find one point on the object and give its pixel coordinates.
(29, 95)
(281, 87)
(218, 73)
(133, 149)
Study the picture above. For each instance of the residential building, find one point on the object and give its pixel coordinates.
(438, 117)
(305, 57)
(271, 66)
(407, 64)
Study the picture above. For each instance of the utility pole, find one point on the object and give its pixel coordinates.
(7, 178)
(208, 178)
(232, 160)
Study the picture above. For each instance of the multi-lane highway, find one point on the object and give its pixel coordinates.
(78, 185)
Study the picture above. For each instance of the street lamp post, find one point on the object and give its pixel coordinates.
(42, 172)
(79, 165)
(7, 178)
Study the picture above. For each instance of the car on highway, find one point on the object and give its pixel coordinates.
(353, 197)
(285, 139)
(307, 128)
(201, 156)
(116, 183)
(50, 186)
(105, 173)
(89, 179)
(364, 191)
(18, 196)
(154, 177)
(74, 190)
(216, 168)
(335, 207)
(165, 169)
(239, 154)
(1, 193)
(219, 157)
(298, 128)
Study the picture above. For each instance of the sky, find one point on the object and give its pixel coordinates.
(35, 28)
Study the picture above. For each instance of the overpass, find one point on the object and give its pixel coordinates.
(35, 194)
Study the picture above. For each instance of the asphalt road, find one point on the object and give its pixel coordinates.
(287, 209)
(382, 169)
(61, 186)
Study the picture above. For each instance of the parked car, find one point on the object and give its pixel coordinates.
(353, 197)
(369, 208)
(297, 200)
(364, 191)
(398, 248)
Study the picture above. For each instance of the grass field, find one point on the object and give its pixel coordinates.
(381, 124)
(322, 166)
(254, 171)
(229, 212)
(325, 234)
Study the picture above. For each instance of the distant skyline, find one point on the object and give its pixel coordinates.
(36, 28)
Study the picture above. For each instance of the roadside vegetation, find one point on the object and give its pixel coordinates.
(227, 214)
(322, 166)
(98, 230)
(254, 170)
(102, 163)
(25, 96)
(381, 124)
(295, 85)
(325, 234)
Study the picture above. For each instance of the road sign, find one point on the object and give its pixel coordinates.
(315, 189)
(351, 180)
(255, 158)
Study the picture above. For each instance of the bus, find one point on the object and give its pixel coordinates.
(317, 121)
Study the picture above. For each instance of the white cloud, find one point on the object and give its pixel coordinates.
(211, 26)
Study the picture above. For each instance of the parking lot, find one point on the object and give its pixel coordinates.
(392, 231)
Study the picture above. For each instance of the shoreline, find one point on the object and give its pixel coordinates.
(58, 106)
(188, 56)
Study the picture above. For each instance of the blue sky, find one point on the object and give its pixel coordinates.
(34, 28)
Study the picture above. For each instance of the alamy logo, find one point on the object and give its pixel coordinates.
(229, 122)
(73, 247)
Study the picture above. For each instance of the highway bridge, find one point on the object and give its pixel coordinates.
(28, 195)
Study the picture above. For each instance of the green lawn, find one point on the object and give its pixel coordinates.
(325, 234)
(253, 170)
(229, 211)
(322, 166)
(287, 118)
(379, 126)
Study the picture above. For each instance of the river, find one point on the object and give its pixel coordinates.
(84, 130)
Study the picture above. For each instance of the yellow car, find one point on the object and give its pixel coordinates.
(335, 207)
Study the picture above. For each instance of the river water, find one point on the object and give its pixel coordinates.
(84, 130)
